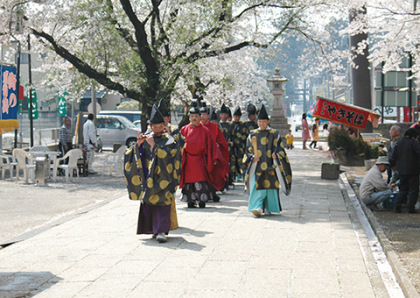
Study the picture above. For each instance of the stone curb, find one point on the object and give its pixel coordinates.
(375, 276)
(56, 222)
(398, 269)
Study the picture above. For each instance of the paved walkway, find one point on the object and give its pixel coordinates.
(315, 248)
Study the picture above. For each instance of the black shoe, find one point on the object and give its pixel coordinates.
(191, 205)
(373, 207)
(397, 210)
(202, 204)
(412, 211)
(216, 199)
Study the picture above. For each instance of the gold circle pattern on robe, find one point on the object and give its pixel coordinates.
(127, 166)
(264, 141)
(266, 184)
(149, 182)
(135, 180)
(163, 184)
(264, 166)
(169, 168)
(154, 199)
(161, 153)
(157, 170)
(134, 196)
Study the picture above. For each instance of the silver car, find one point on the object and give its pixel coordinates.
(116, 129)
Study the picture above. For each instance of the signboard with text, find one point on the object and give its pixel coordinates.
(8, 99)
(344, 114)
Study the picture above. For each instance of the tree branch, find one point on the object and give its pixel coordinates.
(124, 33)
(86, 69)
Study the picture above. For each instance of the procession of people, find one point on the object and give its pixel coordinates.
(202, 158)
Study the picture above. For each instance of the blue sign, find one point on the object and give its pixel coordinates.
(8, 93)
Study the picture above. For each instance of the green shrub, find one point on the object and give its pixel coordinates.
(342, 140)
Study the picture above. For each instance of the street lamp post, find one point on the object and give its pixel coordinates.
(18, 71)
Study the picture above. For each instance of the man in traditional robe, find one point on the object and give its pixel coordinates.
(251, 124)
(199, 160)
(268, 168)
(223, 149)
(240, 133)
(213, 117)
(152, 170)
(166, 113)
(227, 129)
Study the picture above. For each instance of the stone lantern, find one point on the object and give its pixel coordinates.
(278, 118)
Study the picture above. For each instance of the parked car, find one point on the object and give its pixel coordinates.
(130, 115)
(137, 123)
(116, 129)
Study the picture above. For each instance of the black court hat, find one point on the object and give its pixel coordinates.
(251, 109)
(155, 116)
(213, 115)
(238, 111)
(224, 109)
(163, 108)
(263, 115)
(194, 111)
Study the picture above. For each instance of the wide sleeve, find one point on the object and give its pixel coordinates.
(135, 172)
(283, 165)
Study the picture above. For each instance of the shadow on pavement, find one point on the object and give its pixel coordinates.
(25, 284)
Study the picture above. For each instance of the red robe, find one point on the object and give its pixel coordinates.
(223, 151)
(200, 154)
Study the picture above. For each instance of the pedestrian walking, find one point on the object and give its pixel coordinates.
(152, 170)
(268, 168)
(240, 133)
(305, 131)
(251, 124)
(314, 133)
(289, 140)
(227, 129)
(220, 178)
(89, 141)
(199, 159)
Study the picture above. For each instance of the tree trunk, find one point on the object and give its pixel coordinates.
(361, 76)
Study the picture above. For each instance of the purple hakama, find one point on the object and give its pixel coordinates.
(154, 219)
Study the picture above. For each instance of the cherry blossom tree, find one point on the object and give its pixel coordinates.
(140, 48)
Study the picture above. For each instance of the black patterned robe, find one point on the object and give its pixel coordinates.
(240, 133)
(268, 175)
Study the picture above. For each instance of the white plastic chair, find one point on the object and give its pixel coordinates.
(28, 169)
(116, 159)
(7, 162)
(73, 155)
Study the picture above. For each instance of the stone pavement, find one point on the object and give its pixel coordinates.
(314, 248)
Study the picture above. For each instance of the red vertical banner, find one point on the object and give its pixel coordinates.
(407, 111)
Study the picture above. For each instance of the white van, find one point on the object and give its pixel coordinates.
(130, 115)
